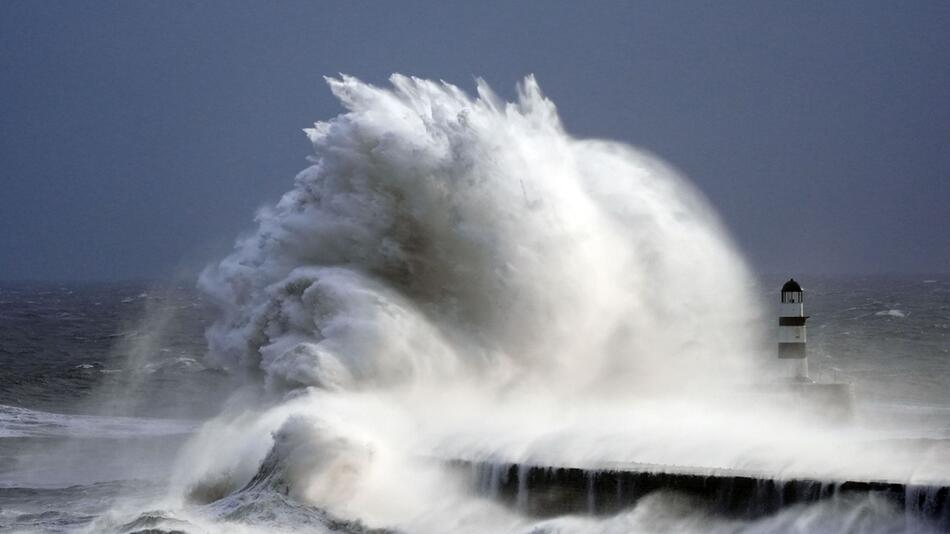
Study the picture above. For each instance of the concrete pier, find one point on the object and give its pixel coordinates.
(549, 491)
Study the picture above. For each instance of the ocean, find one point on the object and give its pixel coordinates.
(102, 385)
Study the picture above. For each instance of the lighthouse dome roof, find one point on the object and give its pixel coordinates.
(791, 286)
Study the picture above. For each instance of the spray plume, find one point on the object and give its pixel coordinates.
(438, 236)
(457, 276)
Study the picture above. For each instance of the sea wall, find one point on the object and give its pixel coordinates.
(549, 491)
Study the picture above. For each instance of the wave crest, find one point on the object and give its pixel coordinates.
(439, 235)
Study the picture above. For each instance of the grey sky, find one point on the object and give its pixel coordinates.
(137, 138)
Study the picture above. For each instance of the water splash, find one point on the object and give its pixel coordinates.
(457, 276)
(439, 235)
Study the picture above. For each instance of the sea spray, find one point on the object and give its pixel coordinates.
(457, 277)
(438, 235)
(448, 254)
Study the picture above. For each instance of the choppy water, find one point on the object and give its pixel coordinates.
(95, 403)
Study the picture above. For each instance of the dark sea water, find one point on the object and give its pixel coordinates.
(890, 337)
(101, 384)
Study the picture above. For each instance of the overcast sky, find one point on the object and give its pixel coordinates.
(138, 138)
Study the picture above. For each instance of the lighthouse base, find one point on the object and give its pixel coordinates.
(831, 402)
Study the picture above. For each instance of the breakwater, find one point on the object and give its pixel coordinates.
(550, 490)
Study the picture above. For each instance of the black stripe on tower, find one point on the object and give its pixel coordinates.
(792, 321)
(791, 351)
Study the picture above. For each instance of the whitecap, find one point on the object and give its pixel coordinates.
(891, 313)
(17, 422)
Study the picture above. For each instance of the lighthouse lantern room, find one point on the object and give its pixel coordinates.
(791, 331)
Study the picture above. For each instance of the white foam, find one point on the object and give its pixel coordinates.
(439, 235)
(16, 422)
(891, 313)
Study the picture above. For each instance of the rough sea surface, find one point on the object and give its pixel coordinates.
(101, 384)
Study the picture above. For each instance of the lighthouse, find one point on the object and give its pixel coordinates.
(791, 331)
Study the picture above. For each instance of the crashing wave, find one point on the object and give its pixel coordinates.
(448, 258)
(439, 235)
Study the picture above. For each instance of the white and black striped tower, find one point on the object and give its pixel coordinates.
(791, 331)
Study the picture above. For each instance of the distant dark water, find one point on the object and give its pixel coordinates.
(119, 366)
(63, 344)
